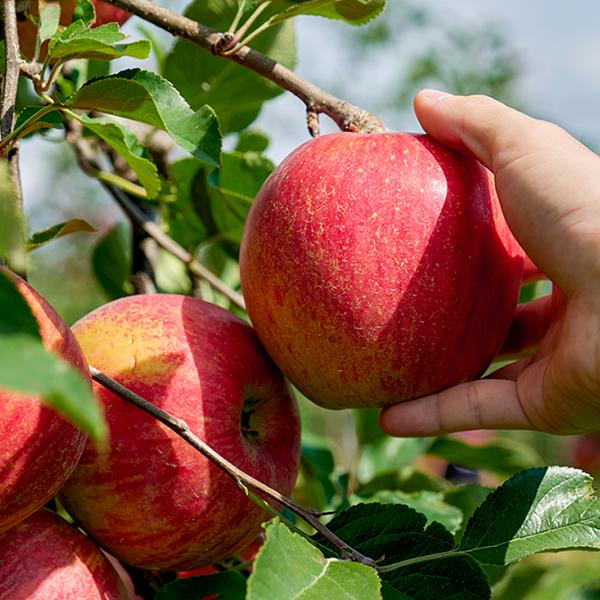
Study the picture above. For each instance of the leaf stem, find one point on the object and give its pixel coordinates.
(127, 186)
(252, 18)
(248, 485)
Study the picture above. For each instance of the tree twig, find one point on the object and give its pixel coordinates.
(241, 479)
(89, 163)
(10, 83)
(345, 115)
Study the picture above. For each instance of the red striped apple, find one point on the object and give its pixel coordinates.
(151, 500)
(38, 448)
(378, 268)
(44, 558)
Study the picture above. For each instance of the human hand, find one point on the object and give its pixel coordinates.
(549, 188)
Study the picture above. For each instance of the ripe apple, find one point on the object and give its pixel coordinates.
(44, 558)
(105, 13)
(38, 448)
(378, 268)
(151, 500)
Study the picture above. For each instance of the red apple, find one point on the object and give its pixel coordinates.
(151, 500)
(38, 448)
(44, 558)
(378, 268)
(108, 13)
(584, 452)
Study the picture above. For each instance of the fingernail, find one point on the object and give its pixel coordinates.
(433, 95)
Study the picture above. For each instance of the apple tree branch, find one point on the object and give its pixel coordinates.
(347, 116)
(243, 481)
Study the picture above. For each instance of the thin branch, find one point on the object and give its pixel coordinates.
(89, 163)
(347, 116)
(244, 481)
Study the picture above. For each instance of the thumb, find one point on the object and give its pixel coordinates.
(475, 125)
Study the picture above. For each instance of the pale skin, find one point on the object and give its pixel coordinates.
(549, 188)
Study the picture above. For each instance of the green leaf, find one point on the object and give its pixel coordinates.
(387, 455)
(394, 533)
(84, 11)
(234, 92)
(354, 12)
(111, 260)
(146, 97)
(466, 498)
(430, 504)
(11, 218)
(27, 367)
(101, 43)
(538, 510)
(288, 566)
(49, 20)
(31, 120)
(15, 315)
(43, 236)
(503, 456)
(126, 144)
(226, 586)
(233, 188)
(252, 140)
(184, 217)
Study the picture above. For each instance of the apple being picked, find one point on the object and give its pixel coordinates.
(151, 500)
(38, 447)
(378, 268)
(44, 558)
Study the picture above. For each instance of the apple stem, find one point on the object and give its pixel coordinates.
(347, 116)
(246, 483)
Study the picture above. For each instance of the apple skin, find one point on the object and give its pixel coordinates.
(44, 558)
(378, 268)
(38, 447)
(105, 13)
(151, 500)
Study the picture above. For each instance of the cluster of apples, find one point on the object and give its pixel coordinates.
(376, 268)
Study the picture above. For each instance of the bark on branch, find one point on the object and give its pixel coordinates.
(347, 116)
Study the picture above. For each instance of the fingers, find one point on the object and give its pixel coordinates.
(483, 404)
(529, 325)
(471, 124)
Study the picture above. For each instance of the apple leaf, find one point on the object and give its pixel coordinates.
(288, 566)
(149, 98)
(112, 260)
(538, 510)
(126, 144)
(15, 314)
(184, 217)
(466, 498)
(100, 43)
(388, 454)
(84, 11)
(232, 190)
(235, 93)
(27, 367)
(43, 236)
(422, 561)
(228, 585)
(11, 218)
(428, 503)
(49, 20)
(354, 12)
(34, 118)
(252, 140)
(503, 456)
